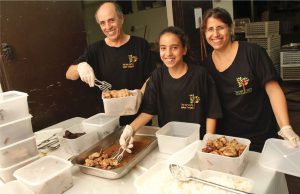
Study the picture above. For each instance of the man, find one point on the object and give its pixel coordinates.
(122, 60)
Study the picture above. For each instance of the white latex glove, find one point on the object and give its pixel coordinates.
(126, 139)
(287, 133)
(86, 73)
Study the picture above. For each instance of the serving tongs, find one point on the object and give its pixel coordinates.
(183, 174)
(102, 85)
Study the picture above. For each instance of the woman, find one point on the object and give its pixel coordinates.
(253, 102)
(176, 91)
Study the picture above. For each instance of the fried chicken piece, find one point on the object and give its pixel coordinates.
(94, 155)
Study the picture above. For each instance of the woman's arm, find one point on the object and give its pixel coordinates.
(278, 103)
(211, 125)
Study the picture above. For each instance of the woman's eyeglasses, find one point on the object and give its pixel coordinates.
(217, 29)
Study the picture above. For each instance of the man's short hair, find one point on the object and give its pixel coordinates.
(118, 9)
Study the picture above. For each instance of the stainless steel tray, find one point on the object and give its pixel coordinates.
(146, 132)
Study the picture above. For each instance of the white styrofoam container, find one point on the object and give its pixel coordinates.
(13, 105)
(231, 165)
(123, 105)
(15, 187)
(14, 131)
(17, 152)
(78, 145)
(174, 136)
(101, 122)
(6, 174)
(48, 175)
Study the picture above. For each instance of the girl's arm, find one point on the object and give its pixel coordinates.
(140, 121)
(211, 125)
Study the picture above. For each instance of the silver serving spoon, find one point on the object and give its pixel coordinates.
(183, 174)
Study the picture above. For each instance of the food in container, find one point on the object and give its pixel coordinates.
(144, 143)
(211, 161)
(123, 102)
(159, 180)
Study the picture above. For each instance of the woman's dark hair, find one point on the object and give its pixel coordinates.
(182, 37)
(217, 13)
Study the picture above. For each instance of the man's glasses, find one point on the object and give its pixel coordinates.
(217, 29)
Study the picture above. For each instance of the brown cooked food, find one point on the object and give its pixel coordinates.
(222, 146)
(116, 93)
(103, 159)
(70, 135)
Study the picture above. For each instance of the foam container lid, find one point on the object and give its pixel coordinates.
(280, 156)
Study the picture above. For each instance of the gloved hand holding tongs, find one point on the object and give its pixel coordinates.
(87, 75)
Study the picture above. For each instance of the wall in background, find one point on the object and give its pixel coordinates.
(148, 23)
(228, 5)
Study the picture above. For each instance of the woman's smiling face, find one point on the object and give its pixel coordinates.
(217, 33)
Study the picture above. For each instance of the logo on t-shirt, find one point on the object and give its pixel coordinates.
(192, 103)
(242, 83)
(132, 60)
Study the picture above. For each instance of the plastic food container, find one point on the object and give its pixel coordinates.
(18, 152)
(104, 124)
(123, 105)
(13, 105)
(48, 175)
(176, 135)
(6, 174)
(15, 187)
(231, 165)
(78, 145)
(278, 155)
(14, 131)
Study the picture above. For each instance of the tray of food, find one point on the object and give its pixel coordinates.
(98, 160)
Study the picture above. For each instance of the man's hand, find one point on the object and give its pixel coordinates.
(287, 133)
(126, 139)
(86, 73)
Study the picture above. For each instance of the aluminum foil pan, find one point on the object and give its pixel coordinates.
(146, 135)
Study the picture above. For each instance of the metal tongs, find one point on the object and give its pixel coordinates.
(102, 85)
(183, 174)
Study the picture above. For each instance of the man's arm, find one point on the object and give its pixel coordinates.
(72, 73)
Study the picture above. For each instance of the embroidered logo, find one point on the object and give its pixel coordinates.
(132, 60)
(242, 82)
(193, 100)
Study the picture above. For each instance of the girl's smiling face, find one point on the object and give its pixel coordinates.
(171, 50)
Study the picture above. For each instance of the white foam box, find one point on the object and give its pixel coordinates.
(101, 122)
(17, 152)
(13, 105)
(6, 174)
(15, 187)
(174, 136)
(78, 145)
(122, 105)
(231, 165)
(16, 130)
(48, 175)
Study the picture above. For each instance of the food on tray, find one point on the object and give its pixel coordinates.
(103, 159)
(116, 93)
(70, 135)
(165, 183)
(224, 147)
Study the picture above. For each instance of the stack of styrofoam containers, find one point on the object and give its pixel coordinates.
(17, 141)
(266, 34)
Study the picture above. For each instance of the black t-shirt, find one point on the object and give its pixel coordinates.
(191, 98)
(127, 66)
(247, 111)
